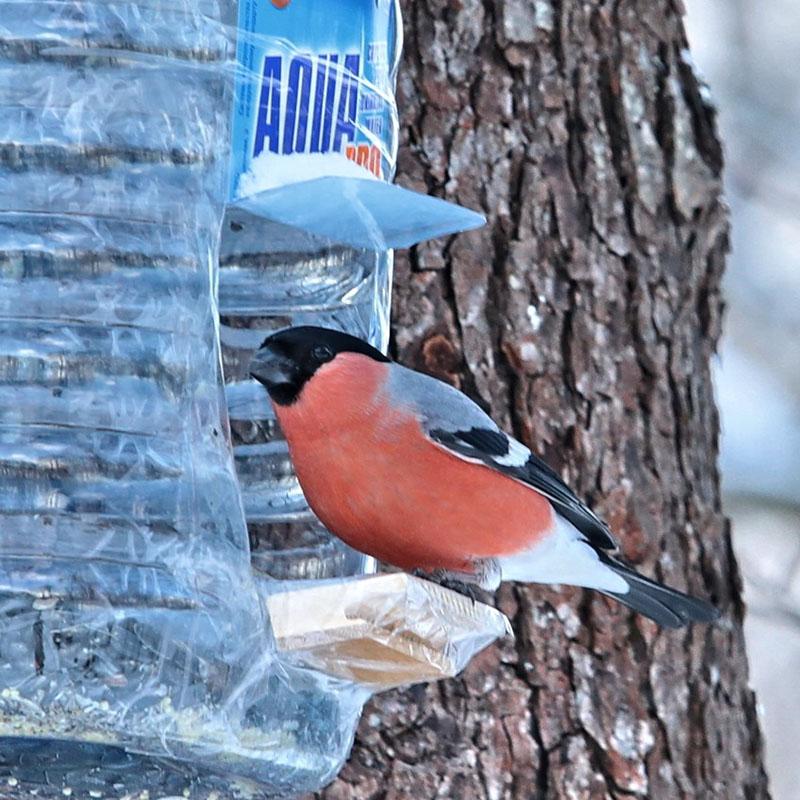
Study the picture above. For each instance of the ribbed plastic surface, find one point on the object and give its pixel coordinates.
(273, 276)
(128, 611)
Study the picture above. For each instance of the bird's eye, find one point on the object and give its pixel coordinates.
(322, 353)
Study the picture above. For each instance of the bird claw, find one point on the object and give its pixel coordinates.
(468, 590)
(462, 583)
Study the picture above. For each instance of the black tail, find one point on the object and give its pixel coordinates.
(663, 605)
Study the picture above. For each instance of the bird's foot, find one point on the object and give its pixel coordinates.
(460, 582)
(469, 590)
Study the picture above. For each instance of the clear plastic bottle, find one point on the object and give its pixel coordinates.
(300, 280)
(273, 275)
(135, 653)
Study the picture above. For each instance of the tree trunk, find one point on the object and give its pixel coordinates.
(583, 317)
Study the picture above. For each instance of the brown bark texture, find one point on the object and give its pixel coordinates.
(583, 317)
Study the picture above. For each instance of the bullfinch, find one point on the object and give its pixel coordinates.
(407, 469)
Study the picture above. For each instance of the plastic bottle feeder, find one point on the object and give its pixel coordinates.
(141, 655)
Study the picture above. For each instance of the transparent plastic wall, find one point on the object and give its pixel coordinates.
(135, 654)
(321, 78)
(273, 276)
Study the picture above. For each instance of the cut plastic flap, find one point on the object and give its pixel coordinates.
(361, 212)
(383, 630)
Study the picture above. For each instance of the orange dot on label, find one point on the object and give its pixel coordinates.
(281, 3)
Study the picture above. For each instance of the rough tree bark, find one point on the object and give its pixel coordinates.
(584, 318)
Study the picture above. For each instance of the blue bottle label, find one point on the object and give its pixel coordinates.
(316, 78)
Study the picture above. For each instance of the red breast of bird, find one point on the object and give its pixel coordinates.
(378, 482)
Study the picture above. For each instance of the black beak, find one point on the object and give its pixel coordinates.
(272, 369)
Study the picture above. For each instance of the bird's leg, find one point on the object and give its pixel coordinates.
(486, 577)
(460, 582)
(488, 574)
(420, 573)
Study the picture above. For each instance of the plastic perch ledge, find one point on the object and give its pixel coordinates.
(381, 631)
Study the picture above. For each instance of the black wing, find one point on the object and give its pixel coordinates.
(504, 454)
